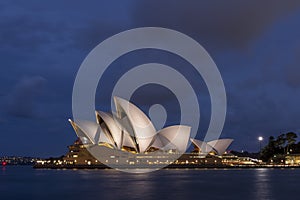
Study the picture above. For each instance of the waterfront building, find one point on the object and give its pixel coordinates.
(128, 138)
(292, 159)
(217, 147)
(130, 130)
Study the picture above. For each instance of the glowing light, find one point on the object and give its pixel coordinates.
(260, 138)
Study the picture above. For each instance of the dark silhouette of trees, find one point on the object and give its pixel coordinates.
(269, 150)
(280, 142)
(291, 139)
(283, 144)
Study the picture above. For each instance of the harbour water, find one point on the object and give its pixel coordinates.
(24, 182)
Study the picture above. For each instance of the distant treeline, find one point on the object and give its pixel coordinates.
(282, 145)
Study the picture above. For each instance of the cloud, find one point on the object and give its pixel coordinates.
(26, 32)
(292, 71)
(51, 39)
(22, 101)
(292, 76)
(224, 23)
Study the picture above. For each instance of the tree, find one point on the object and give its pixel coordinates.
(280, 142)
(291, 139)
(280, 146)
(269, 150)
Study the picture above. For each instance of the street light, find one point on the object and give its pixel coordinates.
(260, 139)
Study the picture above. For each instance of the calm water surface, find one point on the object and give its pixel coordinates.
(18, 182)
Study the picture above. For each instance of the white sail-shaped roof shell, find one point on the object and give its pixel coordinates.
(105, 139)
(87, 130)
(91, 129)
(177, 137)
(220, 145)
(158, 141)
(80, 134)
(203, 146)
(136, 123)
(91, 133)
(162, 143)
(128, 141)
(114, 129)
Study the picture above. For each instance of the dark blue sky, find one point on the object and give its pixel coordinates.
(255, 44)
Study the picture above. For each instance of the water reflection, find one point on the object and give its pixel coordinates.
(262, 184)
(118, 184)
(231, 184)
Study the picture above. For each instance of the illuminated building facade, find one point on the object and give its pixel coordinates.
(128, 138)
(131, 130)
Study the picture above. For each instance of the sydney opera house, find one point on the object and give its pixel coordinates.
(131, 130)
(128, 137)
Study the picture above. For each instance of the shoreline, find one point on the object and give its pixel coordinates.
(168, 167)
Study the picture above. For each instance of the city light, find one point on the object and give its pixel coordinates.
(260, 139)
(4, 163)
